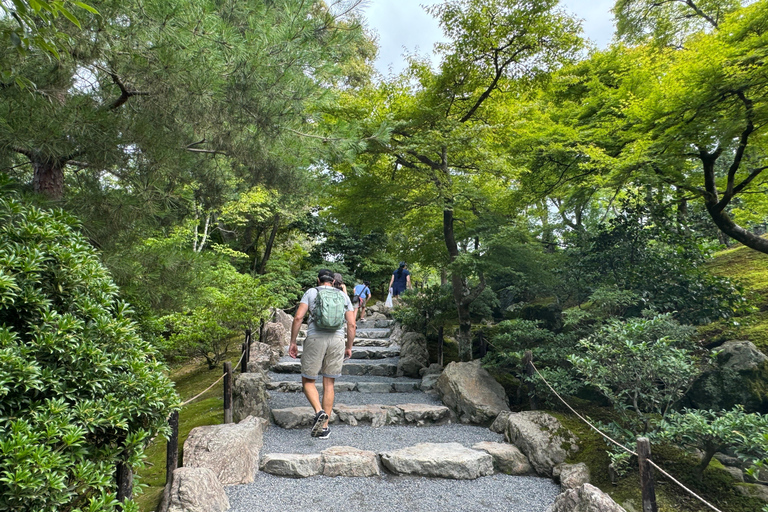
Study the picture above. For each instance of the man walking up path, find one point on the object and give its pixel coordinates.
(324, 348)
(362, 294)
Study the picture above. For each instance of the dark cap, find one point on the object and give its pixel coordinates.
(325, 276)
(402, 264)
(367, 283)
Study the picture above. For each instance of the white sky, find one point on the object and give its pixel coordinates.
(404, 24)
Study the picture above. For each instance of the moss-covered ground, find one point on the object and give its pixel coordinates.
(190, 379)
(716, 485)
(750, 269)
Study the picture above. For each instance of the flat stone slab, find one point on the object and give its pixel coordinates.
(376, 414)
(373, 342)
(349, 461)
(374, 387)
(368, 352)
(294, 386)
(443, 460)
(296, 465)
(295, 417)
(373, 333)
(406, 387)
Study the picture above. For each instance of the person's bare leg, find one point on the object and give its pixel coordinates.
(328, 396)
(310, 391)
(362, 312)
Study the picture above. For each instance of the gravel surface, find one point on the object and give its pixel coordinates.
(269, 493)
(280, 400)
(277, 377)
(381, 439)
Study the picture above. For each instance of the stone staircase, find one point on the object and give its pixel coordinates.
(389, 430)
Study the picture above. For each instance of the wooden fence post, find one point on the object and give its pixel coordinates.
(440, 343)
(227, 392)
(530, 372)
(172, 448)
(646, 475)
(246, 352)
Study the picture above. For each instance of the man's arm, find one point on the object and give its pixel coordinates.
(293, 348)
(351, 330)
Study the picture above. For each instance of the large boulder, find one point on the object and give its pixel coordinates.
(231, 450)
(262, 357)
(469, 389)
(275, 335)
(443, 460)
(413, 355)
(541, 438)
(739, 376)
(196, 490)
(396, 334)
(586, 498)
(249, 396)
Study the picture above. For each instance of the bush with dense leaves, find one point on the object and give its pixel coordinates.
(79, 389)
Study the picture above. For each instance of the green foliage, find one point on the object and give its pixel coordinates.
(80, 389)
(641, 252)
(643, 366)
(235, 302)
(711, 431)
(426, 309)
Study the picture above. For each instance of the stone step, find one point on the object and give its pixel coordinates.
(385, 386)
(373, 324)
(361, 332)
(371, 352)
(381, 368)
(273, 376)
(437, 460)
(376, 415)
(361, 342)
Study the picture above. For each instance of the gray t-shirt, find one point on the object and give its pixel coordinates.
(309, 299)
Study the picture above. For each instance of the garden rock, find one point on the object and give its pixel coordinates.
(231, 451)
(249, 396)
(413, 355)
(469, 389)
(396, 334)
(294, 417)
(571, 476)
(586, 498)
(274, 336)
(377, 415)
(740, 356)
(739, 377)
(428, 382)
(197, 490)
(758, 491)
(286, 321)
(296, 465)
(262, 357)
(507, 458)
(433, 369)
(349, 461)
(541, 438)
(444, 460)
(499, 425)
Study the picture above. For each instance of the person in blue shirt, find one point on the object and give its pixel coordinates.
(401, 279)
(362, 292)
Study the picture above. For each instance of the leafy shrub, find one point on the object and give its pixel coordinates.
(235, 302)
(711, 432)
(80, 389)
(643, 366)
(425, 310)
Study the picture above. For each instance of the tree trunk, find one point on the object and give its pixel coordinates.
(270, 243)
(460, 290)
(48, 179)
(709, 452)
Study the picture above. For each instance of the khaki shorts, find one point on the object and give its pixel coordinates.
(323, 354)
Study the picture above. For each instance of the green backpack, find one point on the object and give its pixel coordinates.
(330, 307)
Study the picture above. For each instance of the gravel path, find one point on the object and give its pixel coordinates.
(505, 493)
(281, 400)
(381, 439)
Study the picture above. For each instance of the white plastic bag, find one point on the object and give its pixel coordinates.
(388, 302)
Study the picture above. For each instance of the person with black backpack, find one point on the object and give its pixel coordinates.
(324, 348)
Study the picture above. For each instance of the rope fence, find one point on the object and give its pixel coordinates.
(607, 437)
(211, 386)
